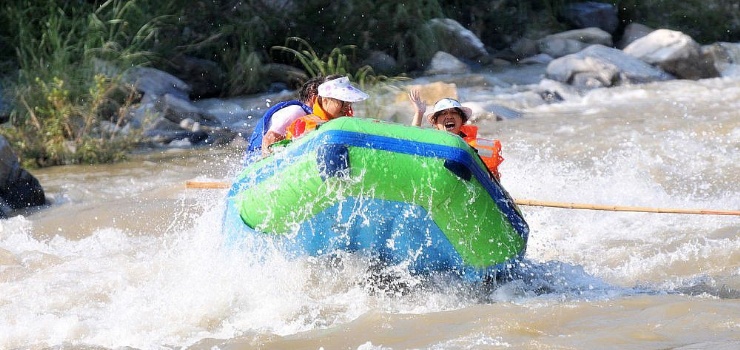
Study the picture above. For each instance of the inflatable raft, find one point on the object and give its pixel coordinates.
(400, 194)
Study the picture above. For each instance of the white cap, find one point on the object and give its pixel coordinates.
(342, 90)
(449, 103)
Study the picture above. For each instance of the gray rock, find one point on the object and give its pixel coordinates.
(155, 83)
(445, 63)
(381, 63)
(524, 48)
(457, 40)
(632, 32)
(559, 47)
(590, 35)
(176, 109)
(601, 66)
(18, 188)
(726, 57)
(541, 58)
(673, 52)
(572, 41)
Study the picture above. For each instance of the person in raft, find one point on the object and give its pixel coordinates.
(334, 100)
(271, 127)
(450, 115)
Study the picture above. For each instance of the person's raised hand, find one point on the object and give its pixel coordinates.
(419, 104)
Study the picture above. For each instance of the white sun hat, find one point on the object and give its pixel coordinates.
(342, 90)
(449, 103)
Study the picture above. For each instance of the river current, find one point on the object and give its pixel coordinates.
(127, 257)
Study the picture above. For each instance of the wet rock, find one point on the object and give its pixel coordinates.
(673, 52)
(381, 63)
(445, 63)
(559, 47)
(601, 66)
(167, 137)
(541, 58)
(632, 32)
(551, 96)
(502, 112)
(524, 47)
(726, 57)
(457, 40)
(176, 109)
(155, 83)
(166, 113)
(572, 41)
(18, 188)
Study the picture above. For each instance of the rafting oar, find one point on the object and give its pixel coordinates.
(536, 203)
(206, 184)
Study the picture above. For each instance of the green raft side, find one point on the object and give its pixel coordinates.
(374, 127)
(462, 209)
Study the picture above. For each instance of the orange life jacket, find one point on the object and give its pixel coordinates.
(303, 125)
(488, 150)
(307, 123)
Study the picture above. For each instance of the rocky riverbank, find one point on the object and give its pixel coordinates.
(558, 66)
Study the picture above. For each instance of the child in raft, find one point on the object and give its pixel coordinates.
(334, 100)
(448, 114)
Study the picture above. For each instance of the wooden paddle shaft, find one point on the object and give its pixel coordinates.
(211, 185)
(537, 203)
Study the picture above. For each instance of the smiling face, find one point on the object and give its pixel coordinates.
(448, 119)
(336, 108)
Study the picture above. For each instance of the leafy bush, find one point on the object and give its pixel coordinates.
(58, 130)
(58, 90)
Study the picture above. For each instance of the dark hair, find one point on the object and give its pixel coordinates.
(310, 89)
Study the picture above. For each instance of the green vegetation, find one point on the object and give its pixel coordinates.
(705, 21)
(62, 88)
(338, 62)
(61, 61)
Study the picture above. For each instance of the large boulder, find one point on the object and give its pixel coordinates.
(445, 63)
(177, 109)
(166, 113)
(154, 83)
(572, 41)
(601, 66)
(381, 63)
(726, 57)
(18, 188)
(457, 40)
(675, 53)
(632, 32)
